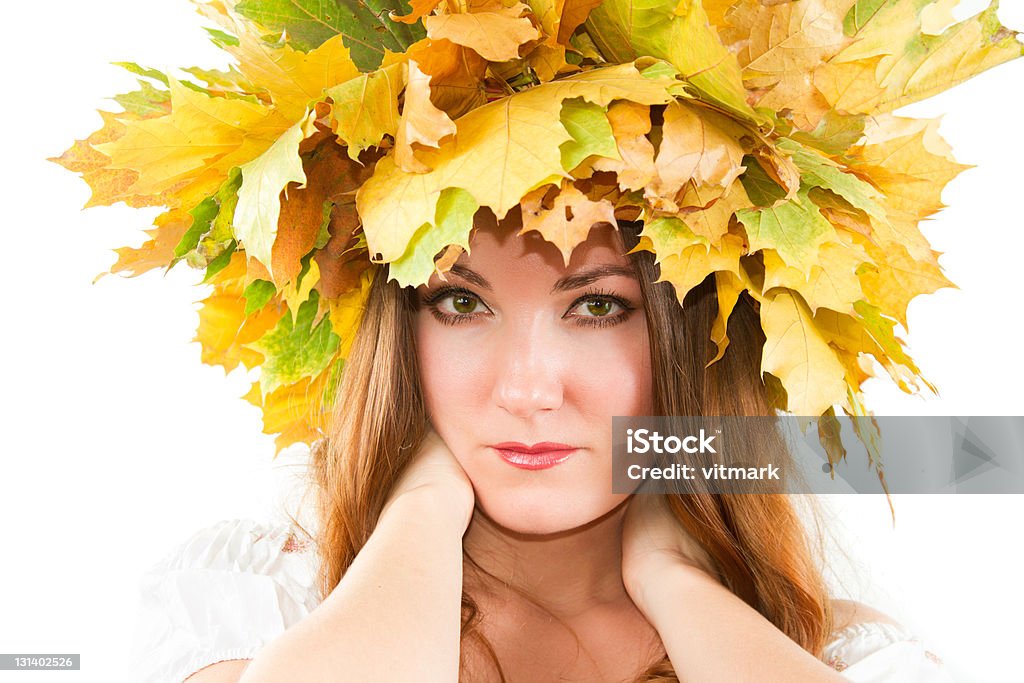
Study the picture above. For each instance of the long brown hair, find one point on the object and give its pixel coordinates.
(758, 543)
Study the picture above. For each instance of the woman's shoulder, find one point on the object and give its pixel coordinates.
(223, 593)
(867, 644)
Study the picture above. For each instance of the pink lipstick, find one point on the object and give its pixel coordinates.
(540, 456)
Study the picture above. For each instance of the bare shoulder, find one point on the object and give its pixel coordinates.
(849, 612)
(221, 672)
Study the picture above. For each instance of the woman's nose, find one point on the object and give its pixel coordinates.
(529, 367)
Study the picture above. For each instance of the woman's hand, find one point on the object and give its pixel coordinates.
(435, 477)
(655, 543)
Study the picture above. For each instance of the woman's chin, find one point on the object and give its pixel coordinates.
(543, 514)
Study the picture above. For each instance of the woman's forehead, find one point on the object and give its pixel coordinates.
(505, 246)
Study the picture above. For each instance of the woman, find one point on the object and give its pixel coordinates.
(468, 455)
(461, 553)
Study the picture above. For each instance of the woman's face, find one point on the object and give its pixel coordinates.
(519, 353)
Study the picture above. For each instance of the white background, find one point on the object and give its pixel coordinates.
(118, 444)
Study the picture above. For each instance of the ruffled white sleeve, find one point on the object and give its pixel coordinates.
(223, 594)
(875, 652)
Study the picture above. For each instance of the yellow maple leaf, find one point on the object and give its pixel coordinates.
(693, 149)
(263, 180)
(500, 152)
(495, 34)
(568, 222)
(108, 185)
(775, 41)
(689, 268)
(728, 287)
(158, 250)
(708, 212)
(898, 277)
(224, 328)
(797, 353)
(894, 62)
(456, 75)
(831, 283)
(365, 109)
(630, 122)
(201, 135)
(293, 79)
(907, 160)
(421, 122)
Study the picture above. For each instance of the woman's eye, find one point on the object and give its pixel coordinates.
(598, 308)
(452, 308)
(462, 303)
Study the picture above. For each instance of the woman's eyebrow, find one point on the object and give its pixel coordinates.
(585, 277)
(567, 283)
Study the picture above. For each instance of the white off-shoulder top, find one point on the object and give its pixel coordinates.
(237, 585)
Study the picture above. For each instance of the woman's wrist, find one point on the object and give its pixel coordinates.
(662, 579)
(449, 510)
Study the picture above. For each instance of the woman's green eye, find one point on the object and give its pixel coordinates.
(599, 307)
(463, 304)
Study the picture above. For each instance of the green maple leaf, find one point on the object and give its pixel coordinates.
(365, 24)
(296, 348)
(591, 133)
(819, 171)
(795, 229)
(452, 225)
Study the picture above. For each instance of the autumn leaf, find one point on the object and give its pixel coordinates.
(897, 277)
(263, 180)
(834, 133)
(299, 412)
(689, 268)
(296, 348)
(225, 330)
(568, 222)
(108, 185)
(634, 164)
(780, 45)
(451, 225)
(692, 150)
(294, 80)
(456, 75)
(909, 162)
(522, 132)
(893, 62)
(670, 236)
(799, 356)
(495, 35)
(365, 26)
(728, 287)
(560, 18)
(820, 171)
(421, 122)
(202, 134)
(307, 212)
(795, 229)
(707, 212)
(590, 131)
(831, 283)
(158, 250)
(341, 261)
(146, 101)
(679, 33)
(365, 109)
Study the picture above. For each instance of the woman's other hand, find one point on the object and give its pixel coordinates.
(653, 542)
(436, 478)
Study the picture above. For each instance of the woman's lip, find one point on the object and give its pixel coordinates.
(534, 460)
(542, 447)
